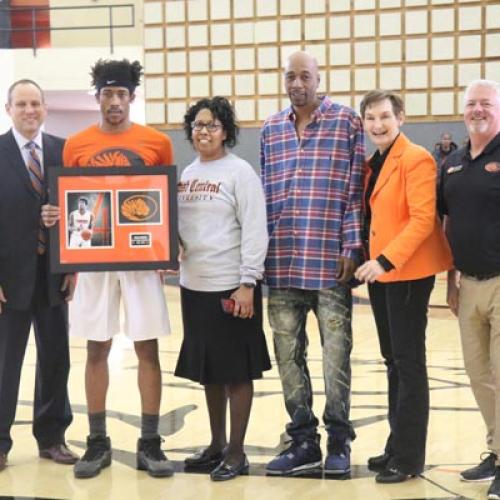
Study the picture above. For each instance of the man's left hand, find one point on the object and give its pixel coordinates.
(346, 268)
(68, 286)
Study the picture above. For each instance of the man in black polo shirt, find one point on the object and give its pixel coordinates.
(470, 195)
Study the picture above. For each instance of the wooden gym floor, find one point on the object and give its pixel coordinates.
(455, 440)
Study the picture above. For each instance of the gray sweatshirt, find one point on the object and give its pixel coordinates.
(222, 224)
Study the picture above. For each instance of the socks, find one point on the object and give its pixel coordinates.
(97, 424)
(149, 426)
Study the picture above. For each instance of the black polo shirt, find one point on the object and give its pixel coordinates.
(470, 196)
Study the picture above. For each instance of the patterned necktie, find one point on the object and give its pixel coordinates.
(36, 176)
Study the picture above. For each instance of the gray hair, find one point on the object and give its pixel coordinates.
(491, 84)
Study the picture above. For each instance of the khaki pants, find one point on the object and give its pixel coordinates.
(479, 319)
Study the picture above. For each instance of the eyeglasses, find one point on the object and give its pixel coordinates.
(211, 127)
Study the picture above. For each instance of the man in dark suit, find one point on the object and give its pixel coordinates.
(29, 294)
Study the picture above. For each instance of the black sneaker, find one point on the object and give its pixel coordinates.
(494, 489)
(96, 457)
(485, 471)
(150, 457)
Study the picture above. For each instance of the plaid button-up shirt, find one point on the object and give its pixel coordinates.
(313, 191)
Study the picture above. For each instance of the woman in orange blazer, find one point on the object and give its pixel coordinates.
(407, 248)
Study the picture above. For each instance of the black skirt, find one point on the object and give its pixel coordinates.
(218, 348)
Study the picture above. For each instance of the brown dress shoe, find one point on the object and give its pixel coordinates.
(60, 453)
(3, 461)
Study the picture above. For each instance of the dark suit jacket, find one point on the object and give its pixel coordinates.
(19, 219)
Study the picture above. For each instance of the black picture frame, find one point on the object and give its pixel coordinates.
(146, 189)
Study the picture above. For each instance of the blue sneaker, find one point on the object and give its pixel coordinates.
(338, 460)
(298, 459)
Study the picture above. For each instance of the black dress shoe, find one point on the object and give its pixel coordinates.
(378, 463)
(224, 471)
(392, 475)
(203, 459)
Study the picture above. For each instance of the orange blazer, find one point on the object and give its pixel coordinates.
(405, 227)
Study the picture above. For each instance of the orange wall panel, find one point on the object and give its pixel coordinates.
(23, 19)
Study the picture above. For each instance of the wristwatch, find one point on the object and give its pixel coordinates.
(248, 285)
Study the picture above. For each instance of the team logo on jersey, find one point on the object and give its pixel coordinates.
(116, 157)
(139, 207)
(493, 167)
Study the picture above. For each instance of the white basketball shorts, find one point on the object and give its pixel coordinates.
(94, 312)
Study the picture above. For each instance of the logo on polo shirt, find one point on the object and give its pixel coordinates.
(452, 170)
(493, 166)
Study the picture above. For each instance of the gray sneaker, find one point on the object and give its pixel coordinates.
(96, 457)
(151, 458)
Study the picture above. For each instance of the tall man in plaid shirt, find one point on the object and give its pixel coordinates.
(312, 156)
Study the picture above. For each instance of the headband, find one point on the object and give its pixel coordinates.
(110, 82)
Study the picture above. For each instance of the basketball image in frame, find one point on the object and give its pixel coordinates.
(90, 219)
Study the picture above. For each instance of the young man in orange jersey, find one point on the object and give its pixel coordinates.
(117, 141)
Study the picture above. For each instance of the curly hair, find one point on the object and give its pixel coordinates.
(221, 110)
(122, 71)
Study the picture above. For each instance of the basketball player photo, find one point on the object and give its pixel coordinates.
(80, 225)
(89, 219)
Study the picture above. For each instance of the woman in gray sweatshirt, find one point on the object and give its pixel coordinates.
(222, 227)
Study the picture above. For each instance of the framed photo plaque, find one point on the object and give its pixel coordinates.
(114, 218)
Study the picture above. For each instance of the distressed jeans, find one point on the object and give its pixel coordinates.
(288, 310)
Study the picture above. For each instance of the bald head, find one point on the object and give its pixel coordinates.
(303, 59)
(302, 80)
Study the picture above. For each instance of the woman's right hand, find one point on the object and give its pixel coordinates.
(369, 271)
